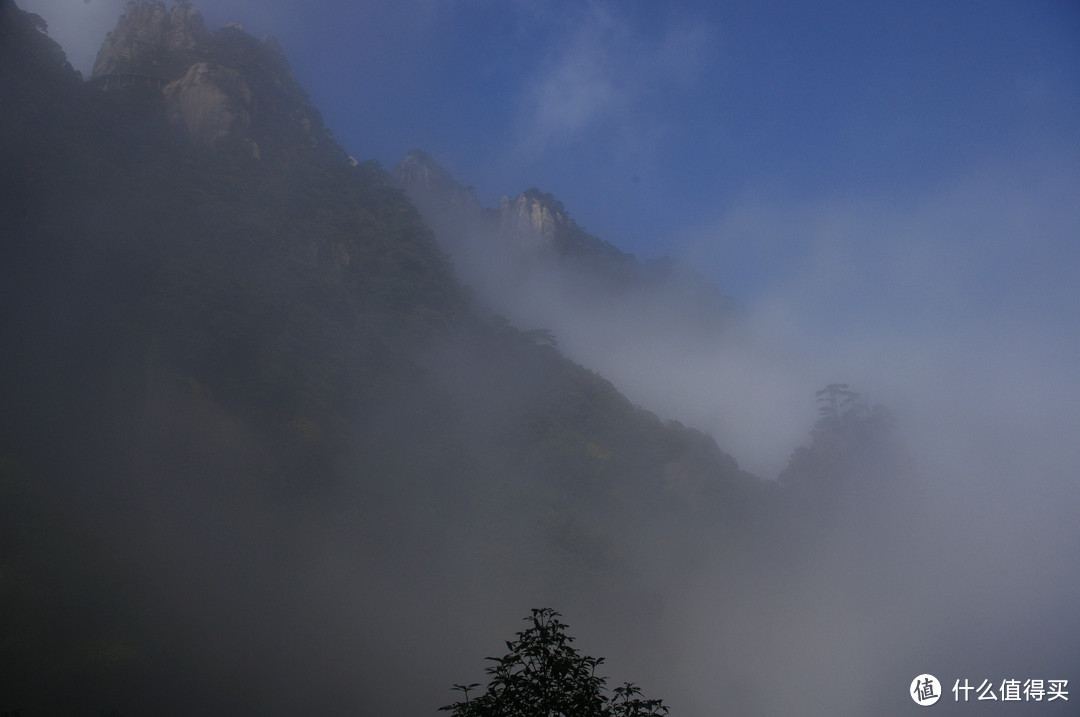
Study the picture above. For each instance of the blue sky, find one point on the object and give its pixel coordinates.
(657, 123)
(890, 188)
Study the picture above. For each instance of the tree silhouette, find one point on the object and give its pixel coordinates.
(542, 675)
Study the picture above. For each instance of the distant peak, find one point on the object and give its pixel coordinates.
(424, 178)
(419, 170)
(546, 200)
(533, 216)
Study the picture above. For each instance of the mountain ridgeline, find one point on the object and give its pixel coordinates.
(529, 260)
(263, 451)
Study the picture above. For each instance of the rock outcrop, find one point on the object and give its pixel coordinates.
(530, 246)
(209, 102)
(532, 222)
(148, 40)
(186, 34)
(221, 86)
(532, 218)
(212, 103)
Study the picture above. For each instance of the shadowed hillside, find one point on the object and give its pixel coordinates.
(248, 404)
(269, 446)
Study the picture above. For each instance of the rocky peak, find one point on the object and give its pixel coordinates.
(420, 171)
(425, 179)
(150, 41)
(218, 87)
(532, 217)
(531, 220)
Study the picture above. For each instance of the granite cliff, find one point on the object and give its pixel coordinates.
(218, 87)
(148, 40)
(533, 218)
(212, 103)
(532, 221)
(531, 244)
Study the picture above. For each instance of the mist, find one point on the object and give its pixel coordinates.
(968, 569)
(288, 560)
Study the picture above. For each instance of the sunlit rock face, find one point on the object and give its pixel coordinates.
(211, 103)
(148, 40)
(216, 87)
(531, 218)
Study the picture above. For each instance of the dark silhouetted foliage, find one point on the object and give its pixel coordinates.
(836, 399)
(543, 675)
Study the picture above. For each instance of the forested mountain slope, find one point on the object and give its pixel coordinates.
(257, 441)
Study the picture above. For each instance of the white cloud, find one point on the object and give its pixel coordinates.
(601, 79)
(956, 309)
(960, 304)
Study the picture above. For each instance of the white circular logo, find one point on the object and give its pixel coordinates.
(925, 690)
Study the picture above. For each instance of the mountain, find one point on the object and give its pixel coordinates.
(218, 87)
(151, 42)
(529, 260)
(261, 450)
(534, 226)
(250, 413)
